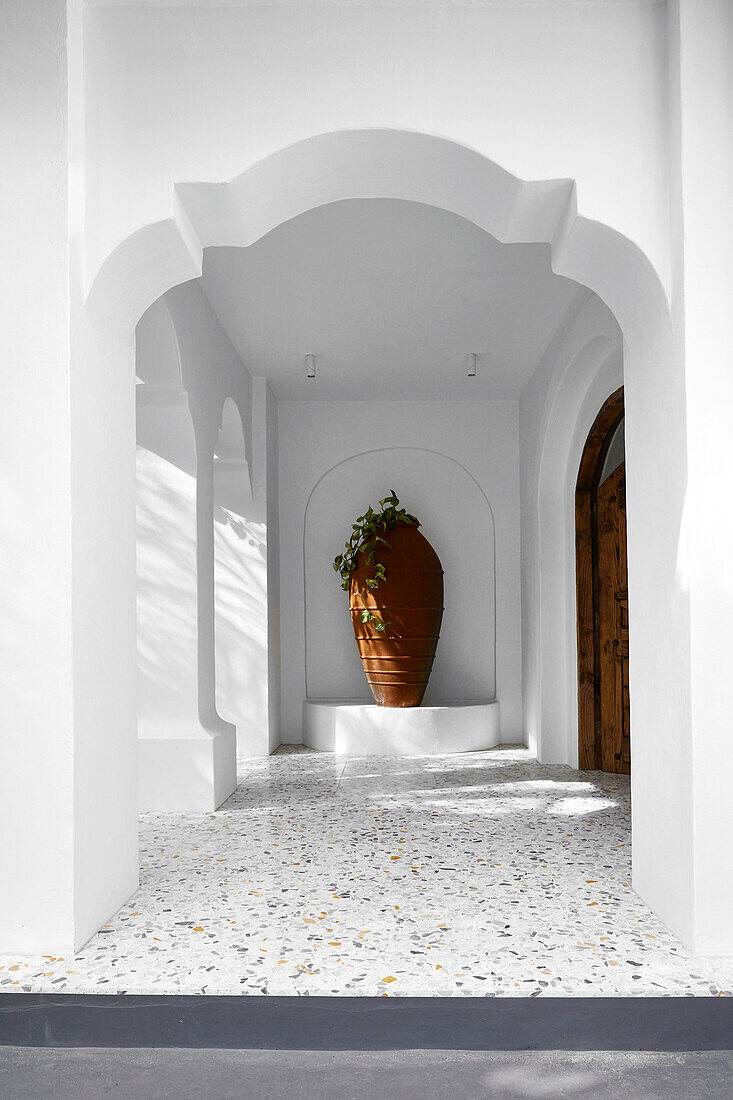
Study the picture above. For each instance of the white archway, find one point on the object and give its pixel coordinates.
(184, 752)
(588, 366)
(232, 479)
(422, 168)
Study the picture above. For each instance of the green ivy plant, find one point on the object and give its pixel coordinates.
(366, 536)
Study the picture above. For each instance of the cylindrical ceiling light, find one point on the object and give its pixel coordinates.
(310, 366)
(471, 364)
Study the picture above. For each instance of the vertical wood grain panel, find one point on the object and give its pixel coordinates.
(587, 567)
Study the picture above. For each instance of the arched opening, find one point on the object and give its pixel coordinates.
(420, 169)
(604, 741)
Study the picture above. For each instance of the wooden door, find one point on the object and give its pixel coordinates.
(613, 623)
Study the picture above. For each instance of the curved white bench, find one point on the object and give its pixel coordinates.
(364, 729)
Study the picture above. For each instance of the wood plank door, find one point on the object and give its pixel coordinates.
(613, 623)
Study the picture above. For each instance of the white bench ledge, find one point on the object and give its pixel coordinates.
(363, 729)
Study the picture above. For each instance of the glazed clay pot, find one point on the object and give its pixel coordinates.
(397, 661)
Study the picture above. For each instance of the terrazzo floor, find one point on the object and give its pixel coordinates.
(477, 874)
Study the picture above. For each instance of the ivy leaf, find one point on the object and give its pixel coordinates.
(365, 536)
(378, 625)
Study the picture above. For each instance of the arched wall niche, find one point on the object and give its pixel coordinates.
(232, 481)
(230, 441)
(163, 419)
(457, 519)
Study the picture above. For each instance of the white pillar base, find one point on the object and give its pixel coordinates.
(364, 729)
(186, 774)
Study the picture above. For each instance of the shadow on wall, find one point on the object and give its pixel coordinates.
(166, 594)
(240, 549)
(456, 518)
(166, 605)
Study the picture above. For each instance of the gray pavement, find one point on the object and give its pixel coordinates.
(158, 1074)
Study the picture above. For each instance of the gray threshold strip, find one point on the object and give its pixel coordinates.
(367, 1023)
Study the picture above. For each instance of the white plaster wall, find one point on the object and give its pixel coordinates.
(480, 437)
(241, 549)
(581, 367)
(272, 477)
(36, 667)
(167, 698)
(704, 264)
(180, 341)
(240, 588)
(552, 90)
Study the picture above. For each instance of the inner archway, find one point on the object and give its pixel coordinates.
(421, 168)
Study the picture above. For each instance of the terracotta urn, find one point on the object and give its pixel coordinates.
(398, 660)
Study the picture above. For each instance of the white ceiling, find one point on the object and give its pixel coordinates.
(390, 297)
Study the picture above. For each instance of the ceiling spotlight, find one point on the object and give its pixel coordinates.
(471, 364)
(310, 366)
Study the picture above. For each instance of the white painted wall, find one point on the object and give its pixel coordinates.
(167, 698)
(704, 263)
(550, 90)
(272, 489)
(219, 390)
(241, 549)
(180, 340)
(37, 676)
(186, 753)
(240, 591)
(581, 367)
(456, 463)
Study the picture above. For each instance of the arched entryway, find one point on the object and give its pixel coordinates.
(378, 164)
(604, 741)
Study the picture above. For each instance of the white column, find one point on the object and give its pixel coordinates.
(36, 810)
(704, 259)
(186, 754)
(68, 812)
(222, 733)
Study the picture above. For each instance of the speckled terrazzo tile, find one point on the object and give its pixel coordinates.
(387, 773)
(476, 874)
(385, 765)
(343, 968)
(214, 957)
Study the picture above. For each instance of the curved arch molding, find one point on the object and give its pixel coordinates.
(375, 164)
